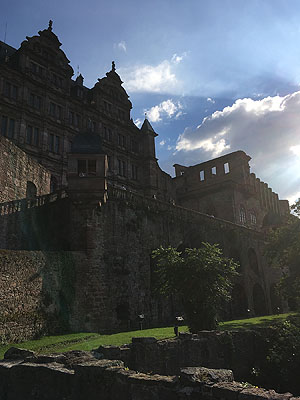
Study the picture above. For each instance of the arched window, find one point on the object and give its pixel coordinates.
(242, 215)
(253, 220)
(30, 190)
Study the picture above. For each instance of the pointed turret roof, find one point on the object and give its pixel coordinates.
(146, 127)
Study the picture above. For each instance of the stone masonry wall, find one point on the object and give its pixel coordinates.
(16, 168)
(238, 351)
(36, 292)
(106, 280)
(116, 283)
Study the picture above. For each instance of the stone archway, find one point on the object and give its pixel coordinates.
(259, 300)
(253, 262)
(239, 302)
(31, 190)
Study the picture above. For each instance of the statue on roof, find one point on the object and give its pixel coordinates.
(50, 25)
(113, 66)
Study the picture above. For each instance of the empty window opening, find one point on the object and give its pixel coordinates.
(201, 175)
(86, 168)
(214, 171)
(253, 218)
(226, 168)
(242, 215)
(31, 190)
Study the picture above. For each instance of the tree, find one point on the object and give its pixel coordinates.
(201, 277)
(283, 251)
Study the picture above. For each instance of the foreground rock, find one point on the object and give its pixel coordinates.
(81, 375)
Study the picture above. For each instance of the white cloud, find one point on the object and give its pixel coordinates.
(293, 197)
(210, 100)
(296, 150)
(159, 78)
(176, 58)
(167, 108)
(267, 129)
(121, 46)
(162, 143)
(138, 122)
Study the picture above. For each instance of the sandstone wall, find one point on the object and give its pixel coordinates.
(16, 168)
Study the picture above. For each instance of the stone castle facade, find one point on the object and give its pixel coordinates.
(84, 202)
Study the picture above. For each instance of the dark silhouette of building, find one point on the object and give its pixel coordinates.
(80, 179)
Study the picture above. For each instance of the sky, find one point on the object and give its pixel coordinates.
(213, 76)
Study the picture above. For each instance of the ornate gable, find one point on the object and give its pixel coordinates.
(45, 50)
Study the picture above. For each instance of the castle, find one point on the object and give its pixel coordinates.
(84, 202)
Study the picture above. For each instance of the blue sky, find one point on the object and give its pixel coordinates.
(214, 76)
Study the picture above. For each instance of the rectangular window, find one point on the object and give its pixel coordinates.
(121, 140)
(7, 88)
(59, 112)
(92, 167)
(86, 168)
(11, 128)
(4, 124)
(52, 109)
(36, 136)
(55, 110)
(56, 144)
(14, 92)
(107, 133)
(51, 142)
(214, 171)
(134, 172)
(109, 162)
(38, 102)
(226, 168)
(31, 99)
(32, 135)
(82, 167)
(71, 117)
(201, 176)
(29, 134)
(10, 91)
(122, 168)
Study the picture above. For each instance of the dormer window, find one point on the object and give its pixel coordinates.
(86, 168)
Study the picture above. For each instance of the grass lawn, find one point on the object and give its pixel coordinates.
(89, 341)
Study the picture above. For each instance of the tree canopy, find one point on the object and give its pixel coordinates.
(283, 251)
(201, 277)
